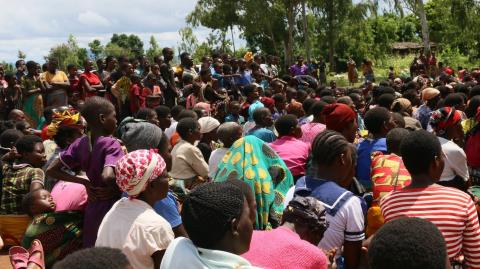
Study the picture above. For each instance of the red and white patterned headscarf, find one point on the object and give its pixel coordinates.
(136, 169)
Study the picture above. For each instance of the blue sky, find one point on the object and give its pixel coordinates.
(35, 26)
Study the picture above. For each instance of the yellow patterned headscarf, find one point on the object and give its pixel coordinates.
(248, 56)
(69, 117)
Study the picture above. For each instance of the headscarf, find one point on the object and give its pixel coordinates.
(69, 117)
(294, 107)
(443, 118)
(248, 56)
(139, 134)
(338, 115)
(253, 161)
(401, 105)
(308, 210)
(208, 124)
(268, 103)
(136, 169)
(429, 93)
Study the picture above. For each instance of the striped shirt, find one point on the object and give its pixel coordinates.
(451, 210)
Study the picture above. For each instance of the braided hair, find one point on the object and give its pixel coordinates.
(327, 146)
(208, 211)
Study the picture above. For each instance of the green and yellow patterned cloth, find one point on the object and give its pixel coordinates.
(253, 161)
(60, 234)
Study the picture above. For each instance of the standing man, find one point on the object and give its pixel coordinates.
(167, 74)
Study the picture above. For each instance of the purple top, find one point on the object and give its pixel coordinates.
(296, 70)
(106, 152)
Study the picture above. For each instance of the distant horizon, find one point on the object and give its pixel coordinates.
(33, 30)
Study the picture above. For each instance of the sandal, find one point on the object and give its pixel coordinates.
(37, 247)
(18, 257)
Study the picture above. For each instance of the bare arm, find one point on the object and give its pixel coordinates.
(157, 258)
(351, 252)
(55, 171)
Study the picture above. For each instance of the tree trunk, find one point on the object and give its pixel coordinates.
(233, 39)
(424, 24)
(305, 32)
(291, 24)
(331, 34)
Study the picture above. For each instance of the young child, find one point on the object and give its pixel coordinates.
(41, 206)
(121, 90)
(152, 93)
(227, 133)
(96, 154)
(137, 99)
(379, 122)
(234, 113)
(22, 176)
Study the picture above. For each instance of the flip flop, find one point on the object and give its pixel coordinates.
(37, 247)
(18, 257)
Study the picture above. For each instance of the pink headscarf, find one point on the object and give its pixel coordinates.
(136, 169)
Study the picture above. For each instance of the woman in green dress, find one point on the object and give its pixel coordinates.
(253, 161)
(32, 95)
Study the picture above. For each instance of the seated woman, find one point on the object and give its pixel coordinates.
(253, 161)
(294, 244)
(132, 224)
(60, 232)
(217, 219)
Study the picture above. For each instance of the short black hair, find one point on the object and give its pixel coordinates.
(63, 134)
(386, 100)
(208, 210)
(94, 258)
(327, 146)
(175, 111)
(94, 106)
(9, 137)
(27, 143)
(418, 150)
(329, 99)
(474, 91)
(307, 105)
(250, 88)
(399, 119)
(187, 113)
(454, 100)
(185, 126)
(285, 124)
(144, 113)
(472, 107)
(259, 114)
(162, 111)
(278, 97)
(395, 138)
(27, 202)
(375, 118)
(317, 108)
(412, 243)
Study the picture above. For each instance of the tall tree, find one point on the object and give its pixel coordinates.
(68, 53)
(188, 41)
(130, 42)
(154, 49)
(96, 48)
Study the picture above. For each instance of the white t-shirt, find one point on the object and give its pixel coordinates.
(135, 228)
(348, 224)
(455, 161)
(172, 129)
(215, 158)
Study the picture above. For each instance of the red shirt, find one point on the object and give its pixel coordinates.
(92, 79)
(137, 100)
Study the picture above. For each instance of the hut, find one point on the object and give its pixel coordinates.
(404, 48)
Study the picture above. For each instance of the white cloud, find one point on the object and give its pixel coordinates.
(93, 19)
(35, 28)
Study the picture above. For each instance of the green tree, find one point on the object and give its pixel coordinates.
(96, 48)
(21, 55)
(132, 42)
(188, 41)
(117, 51)
(68, 53)
(154, 49)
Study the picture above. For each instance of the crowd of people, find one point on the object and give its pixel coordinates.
(238, 163)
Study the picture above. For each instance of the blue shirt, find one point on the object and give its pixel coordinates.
(244, 79)
(232, 118)
(252, 108)
(263, 133)
(364, 160)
